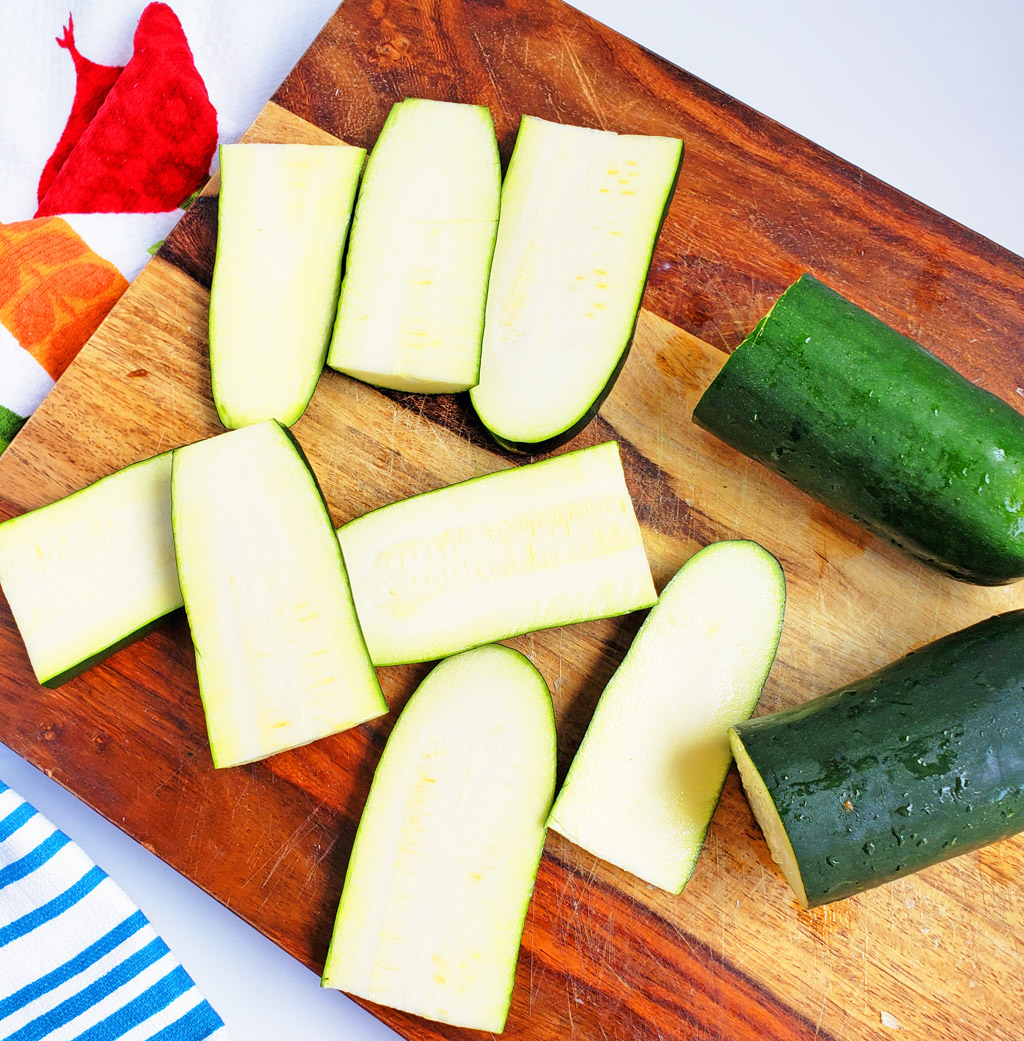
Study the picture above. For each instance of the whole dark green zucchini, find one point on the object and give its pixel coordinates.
(914, 764)
(872, 424)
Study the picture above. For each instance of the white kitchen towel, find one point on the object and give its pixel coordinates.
(166, 83)
(78, 959)
(243, 49)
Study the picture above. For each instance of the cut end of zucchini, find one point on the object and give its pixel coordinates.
(767, 817)
(408, 382)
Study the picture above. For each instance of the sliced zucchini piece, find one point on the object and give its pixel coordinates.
(646, 779)
(907, 767)
(283, 216)
(514, 551)
(280, 657)
(447, 850)
(411, 312)
(92, 572)
(580, 214)
(871, 424)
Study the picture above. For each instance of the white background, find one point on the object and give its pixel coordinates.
(926, 94)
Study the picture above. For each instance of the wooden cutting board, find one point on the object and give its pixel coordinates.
(604, 956)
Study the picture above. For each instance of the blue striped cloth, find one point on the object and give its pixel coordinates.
(77, 958)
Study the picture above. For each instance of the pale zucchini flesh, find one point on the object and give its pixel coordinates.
(410, 316)
(282, 221)
(444, 861)
(89, 573)
(514, 551)
(645, 782)
(580, 214)
(279, 653)
(767, 816)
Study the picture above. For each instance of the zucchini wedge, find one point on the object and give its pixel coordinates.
(411, 312)
(646, 779)
(447, 850)
(280, 657)
(910, 766)
(580, 213)
(873, 425)
(513, 551)
(282, 220)
(92, 572)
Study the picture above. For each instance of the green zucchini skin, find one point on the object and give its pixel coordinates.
(534, 448)
(870, 423)
(910, 766)
(53, 682)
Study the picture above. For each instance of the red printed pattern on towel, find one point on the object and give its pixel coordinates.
(92, 84)
(150, 143)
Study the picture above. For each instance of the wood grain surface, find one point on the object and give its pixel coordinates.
(604, 956)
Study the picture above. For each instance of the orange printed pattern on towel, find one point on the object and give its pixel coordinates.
(54, 290)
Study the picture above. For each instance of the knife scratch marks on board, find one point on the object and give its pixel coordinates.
(1019, 975)
(180, 809)
(824, 1001)
(293, 839)
(242, 797)
(322, 853)
(552, 99)
(486, 61)
(533, 954)
(864, 989)
(810, 234)
(393, 442)
(584, 81)
(171, 776)
(939, 615)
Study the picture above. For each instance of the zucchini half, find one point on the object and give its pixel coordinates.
(513, 551)
(92, 572)
(448, 846)
(411, 311)
(646, 780)
(580, 213)
(282, 220)
(873, 425)
(914, 764)
(279, 653)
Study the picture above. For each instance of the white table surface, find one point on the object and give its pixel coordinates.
(926, 94)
